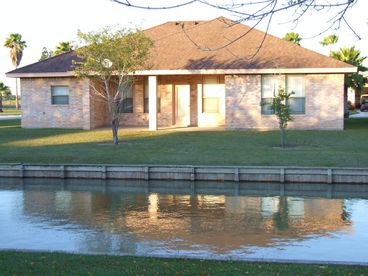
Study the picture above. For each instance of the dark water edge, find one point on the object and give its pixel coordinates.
(190, 187)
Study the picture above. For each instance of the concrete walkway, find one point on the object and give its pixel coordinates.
(359, 115)
(10, 117)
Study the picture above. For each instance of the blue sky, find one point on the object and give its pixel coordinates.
(47, 22)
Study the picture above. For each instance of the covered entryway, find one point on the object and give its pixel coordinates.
(182, 101)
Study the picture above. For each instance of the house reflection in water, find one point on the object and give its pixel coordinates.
(122, 221)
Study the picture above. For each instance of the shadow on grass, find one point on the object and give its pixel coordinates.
(11, 131)
(356, 123)
(318, 148)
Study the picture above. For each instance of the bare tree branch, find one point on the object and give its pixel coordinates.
(259, 10)
(128, 4)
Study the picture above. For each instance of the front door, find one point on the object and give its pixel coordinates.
(182, 96)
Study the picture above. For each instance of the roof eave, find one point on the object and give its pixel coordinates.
(342, 70)
(39, 75)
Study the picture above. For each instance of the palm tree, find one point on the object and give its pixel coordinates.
(16, 45)
(355, 81)
(4, 92)
(329, 41)
(63, 47)
(293, 38)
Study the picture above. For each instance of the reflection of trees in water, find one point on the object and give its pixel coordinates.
(281, 217)
(345, 214)
(119, 221)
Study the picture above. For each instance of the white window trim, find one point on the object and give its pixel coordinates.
(285, 76)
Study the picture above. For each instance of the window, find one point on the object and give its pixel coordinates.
(60, 95)
(270, 86)
(127, 102)
(211, 97)
(297, 100)
(146, 103)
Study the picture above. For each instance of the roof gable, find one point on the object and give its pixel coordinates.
(225, 44)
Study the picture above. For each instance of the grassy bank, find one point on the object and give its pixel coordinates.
(20, 263)
(308, 148)
(10, 111)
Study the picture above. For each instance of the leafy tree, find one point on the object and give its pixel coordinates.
(293, 38)
(109, 61)
(281, 217)
(4, 93)
(16, 45)
(62, 47)
(45, 54)
(356, 80)
(282, 111)
(329, 40)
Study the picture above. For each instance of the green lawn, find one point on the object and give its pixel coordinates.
(309, 148)
(21, 263)
(10, 111)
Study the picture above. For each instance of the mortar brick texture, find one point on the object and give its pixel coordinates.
(38, 112)
(323, 92)
(324, 95)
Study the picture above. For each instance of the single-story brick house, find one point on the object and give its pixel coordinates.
(204, 73)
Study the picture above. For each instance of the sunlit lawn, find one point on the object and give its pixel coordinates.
(21, 263)
(308, 148)
(10, 111)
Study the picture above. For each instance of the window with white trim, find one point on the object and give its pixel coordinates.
(60, 95)
(295, 85)
(211, 95)
(270, 87)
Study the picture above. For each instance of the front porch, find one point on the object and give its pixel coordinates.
(176, 102)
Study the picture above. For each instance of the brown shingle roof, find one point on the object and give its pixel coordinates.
(196, 45)
(57, 64)
(175, 50)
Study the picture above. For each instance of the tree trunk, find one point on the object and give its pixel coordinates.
(1, 103)
(346, 109)
(16, 94)
(115, 130)
(357, 93)
(282, 136)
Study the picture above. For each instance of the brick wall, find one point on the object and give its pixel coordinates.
(324, 108)
(166, 86)
(98, 112)
(38, 112)
(138, 117)
(324, 103)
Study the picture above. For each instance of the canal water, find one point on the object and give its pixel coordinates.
(314, 222)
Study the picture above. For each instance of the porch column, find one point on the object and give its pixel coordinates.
(152, 102)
